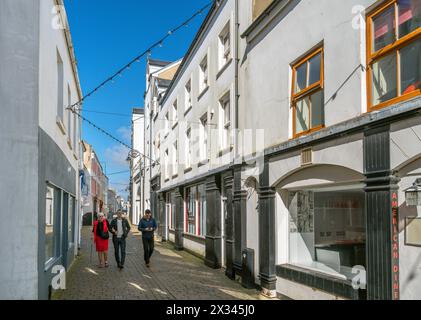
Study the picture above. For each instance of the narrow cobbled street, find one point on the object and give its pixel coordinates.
(173, 275)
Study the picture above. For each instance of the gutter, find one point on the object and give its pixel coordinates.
(236, 89)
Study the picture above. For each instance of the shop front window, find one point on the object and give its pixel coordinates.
(53, 212)
(171, 203)
(71, 217)
(196, 210)
(327, 231)
(191, 210)
(202, 210)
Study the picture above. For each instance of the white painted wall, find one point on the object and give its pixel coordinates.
(265, 87)
(19, 39)
(53, 41)
(138, 131)
(194, 246)
(209, 102)
(406, 158)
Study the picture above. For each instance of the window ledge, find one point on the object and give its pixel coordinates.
(61, 126)
(50, 263)
(167, 179)
(194, 237)
(203, 162)
(319, 280)
(75, 156)
(188, 110)
(69, 143)
(308, 132)
(187, 170)
(174, 176)
(202, 93)
(225, 151)
(224, 67)
(175, 125)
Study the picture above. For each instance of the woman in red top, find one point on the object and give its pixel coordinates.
(101, 238)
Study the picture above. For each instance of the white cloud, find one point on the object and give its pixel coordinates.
(125, 133)
(117, 155)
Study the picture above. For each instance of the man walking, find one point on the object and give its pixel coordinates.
(120, 229)
(147, 226)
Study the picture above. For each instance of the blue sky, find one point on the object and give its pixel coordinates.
(106, 35)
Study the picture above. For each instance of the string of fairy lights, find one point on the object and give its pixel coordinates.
(76, 107)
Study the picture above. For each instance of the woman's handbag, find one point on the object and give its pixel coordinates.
(104, 234)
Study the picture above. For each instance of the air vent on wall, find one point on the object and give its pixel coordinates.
(306, 157)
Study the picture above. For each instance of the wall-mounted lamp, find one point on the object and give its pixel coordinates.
(413, 194)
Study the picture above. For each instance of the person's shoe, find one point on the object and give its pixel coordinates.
(121, 266)
(106, 264)
(147, 265)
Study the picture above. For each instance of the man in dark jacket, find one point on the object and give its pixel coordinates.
(120, 229)
(147, 226)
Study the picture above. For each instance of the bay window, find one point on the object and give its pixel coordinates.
(394, 53)
(308, 93)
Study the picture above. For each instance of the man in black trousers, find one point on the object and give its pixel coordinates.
(120, 229)
(147, 226)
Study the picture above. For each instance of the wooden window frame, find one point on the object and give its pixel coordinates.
(393, 48)
(306, 92)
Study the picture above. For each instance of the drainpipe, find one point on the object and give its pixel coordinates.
(237, 61)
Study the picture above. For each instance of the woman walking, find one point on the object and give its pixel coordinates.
(101, 235)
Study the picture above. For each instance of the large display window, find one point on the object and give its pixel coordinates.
(195, 218)
(327, 230)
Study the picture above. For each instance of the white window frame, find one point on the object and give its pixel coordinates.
(167, 123)
(225, 121)
(188, 148)
(166, 165)
(204, 73)
(175, 158)
(204, 137)
(225, 45)
(188, 95)
(174, 113)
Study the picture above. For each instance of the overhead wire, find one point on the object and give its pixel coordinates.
(74, 108)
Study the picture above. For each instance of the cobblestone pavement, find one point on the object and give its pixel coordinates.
(173, 275)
